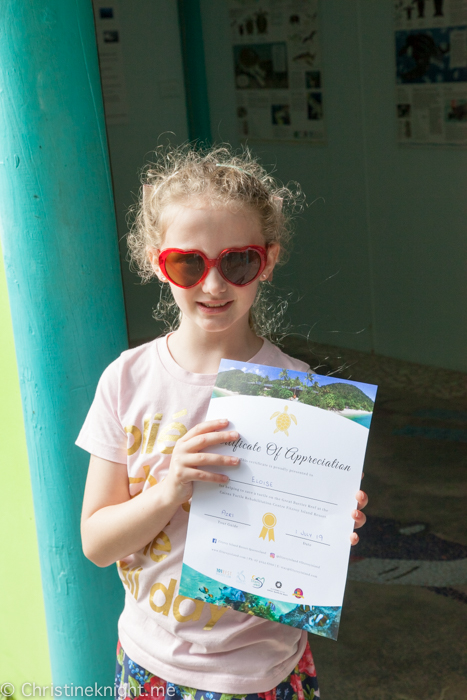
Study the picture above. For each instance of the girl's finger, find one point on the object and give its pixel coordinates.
(362, 499)
(194, 474)
(200, 442)
(359, 517)
(198, 460)
(207, 427)
(354, 539)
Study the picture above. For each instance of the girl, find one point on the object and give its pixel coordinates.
(212, 228)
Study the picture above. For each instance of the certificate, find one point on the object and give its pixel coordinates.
(274, 540)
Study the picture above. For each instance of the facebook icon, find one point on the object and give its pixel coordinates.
(214, 539)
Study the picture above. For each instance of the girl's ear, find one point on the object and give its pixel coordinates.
(273, 251)
(153, 255)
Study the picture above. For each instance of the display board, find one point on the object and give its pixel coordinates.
(431, 71)
(278, 69)
(108, 35)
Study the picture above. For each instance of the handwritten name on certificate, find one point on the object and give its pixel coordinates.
(274, 540)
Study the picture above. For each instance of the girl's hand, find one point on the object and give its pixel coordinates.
(358, 516)
(187, 460)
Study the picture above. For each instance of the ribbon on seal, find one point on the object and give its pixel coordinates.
(269, 521)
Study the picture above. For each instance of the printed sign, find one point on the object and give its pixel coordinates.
(278, 69)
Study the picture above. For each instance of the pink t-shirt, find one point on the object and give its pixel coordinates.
(144, 403)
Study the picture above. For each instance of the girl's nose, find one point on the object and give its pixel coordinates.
(213, 283)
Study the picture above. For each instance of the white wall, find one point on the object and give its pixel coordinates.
(418, 221)
(392, 229)
(151, 56)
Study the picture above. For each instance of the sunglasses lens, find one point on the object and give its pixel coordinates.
(185, 269)
(241, 267)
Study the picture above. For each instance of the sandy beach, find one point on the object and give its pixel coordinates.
(354, 412)
(218, 392)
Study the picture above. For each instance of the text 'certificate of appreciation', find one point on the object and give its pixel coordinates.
(274, 540)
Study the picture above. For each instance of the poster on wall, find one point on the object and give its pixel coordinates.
(278, 69)
(108, 35)
(431, 71)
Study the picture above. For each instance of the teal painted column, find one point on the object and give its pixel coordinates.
(61, 259)
(194, 67)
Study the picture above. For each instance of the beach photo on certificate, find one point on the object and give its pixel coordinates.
(352, 400)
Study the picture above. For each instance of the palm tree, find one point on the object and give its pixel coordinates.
(287, 380)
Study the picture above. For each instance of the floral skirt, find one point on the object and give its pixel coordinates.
(133, 681)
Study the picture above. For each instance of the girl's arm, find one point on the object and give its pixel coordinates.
(114, 526)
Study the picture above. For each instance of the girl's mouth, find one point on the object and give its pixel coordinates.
(214, 307)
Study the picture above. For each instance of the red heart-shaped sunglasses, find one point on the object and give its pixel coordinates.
(237, 266)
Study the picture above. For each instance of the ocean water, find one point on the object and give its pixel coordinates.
(362, 420)
(217, 393)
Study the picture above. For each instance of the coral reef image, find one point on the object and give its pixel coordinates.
(321, 620)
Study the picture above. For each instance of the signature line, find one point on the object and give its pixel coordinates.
(307, 539)
(228, 519)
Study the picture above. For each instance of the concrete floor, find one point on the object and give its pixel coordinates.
(403, 634)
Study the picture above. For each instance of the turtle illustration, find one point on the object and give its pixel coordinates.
(283, 420)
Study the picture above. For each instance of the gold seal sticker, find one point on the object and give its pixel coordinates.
(269, 521)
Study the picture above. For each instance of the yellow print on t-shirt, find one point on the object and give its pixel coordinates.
(142, 480)
(160, 543)
(146, 439)
(130, 577)
(171, 433)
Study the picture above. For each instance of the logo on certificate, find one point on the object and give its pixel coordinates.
(257, 581)
(283, 420)
(298, 593)
(269, 521)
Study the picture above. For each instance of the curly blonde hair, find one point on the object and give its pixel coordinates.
(220, 177)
